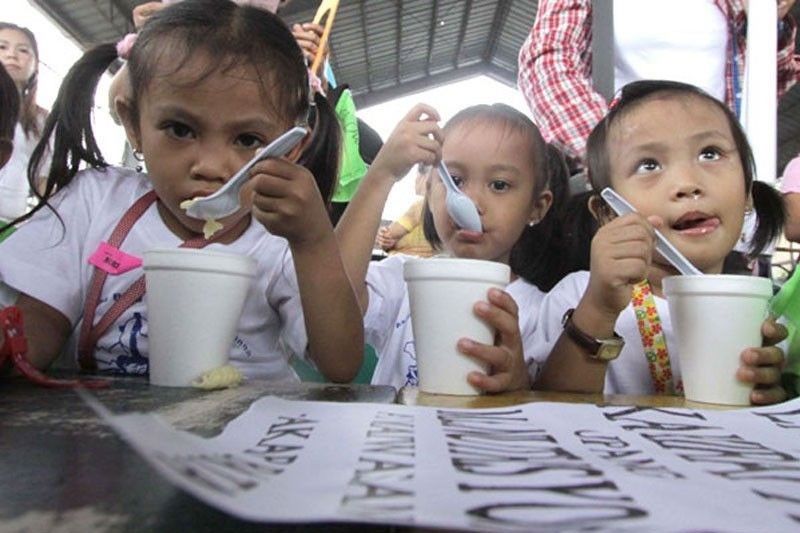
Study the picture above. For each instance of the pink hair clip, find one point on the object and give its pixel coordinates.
(125, 45)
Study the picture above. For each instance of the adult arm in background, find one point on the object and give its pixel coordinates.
(788, 64)
(791, 230)
(555, 69)
(555, 74)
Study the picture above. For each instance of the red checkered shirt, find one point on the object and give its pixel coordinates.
(555, 69)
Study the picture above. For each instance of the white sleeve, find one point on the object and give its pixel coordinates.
(44, 257)
(387, 291)
(565, 295)
(283, 295)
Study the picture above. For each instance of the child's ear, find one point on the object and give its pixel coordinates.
(300, 147)
(599, 209)
(130, 121)
(541, 206)
(6, 147)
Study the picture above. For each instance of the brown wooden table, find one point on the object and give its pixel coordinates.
(63, 469)
(413, 396)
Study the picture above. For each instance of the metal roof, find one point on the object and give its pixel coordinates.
(388, 48)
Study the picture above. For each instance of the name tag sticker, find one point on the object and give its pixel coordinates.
(113, 260)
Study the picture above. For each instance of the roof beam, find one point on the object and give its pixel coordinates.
(462, 31)
(431, 32)
(500, 15)
(420, 84)
(366, 47)
(63, 20)
(399, 39)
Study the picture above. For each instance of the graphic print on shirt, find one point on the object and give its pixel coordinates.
(410, 352)
(124, 356)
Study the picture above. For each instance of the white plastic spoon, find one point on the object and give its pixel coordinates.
(459, 206)
(663, 246)
(225, 201)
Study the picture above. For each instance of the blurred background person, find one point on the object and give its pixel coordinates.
(19, 56)
(405, 235)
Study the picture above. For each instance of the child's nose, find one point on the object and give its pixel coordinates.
(210, 165)
(474, 192)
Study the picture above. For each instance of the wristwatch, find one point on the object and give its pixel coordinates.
(597, 349)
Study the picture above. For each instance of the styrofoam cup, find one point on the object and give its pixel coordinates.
(194, 301)
(715, 317)
(442, 294)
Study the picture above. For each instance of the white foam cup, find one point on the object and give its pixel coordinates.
(715, 317)
(194, 301)
(442, 293)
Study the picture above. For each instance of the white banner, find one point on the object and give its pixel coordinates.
(540, 466)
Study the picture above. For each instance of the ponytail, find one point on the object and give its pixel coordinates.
(71, 120)
(539, 256)
(321, 156)
(770, 213)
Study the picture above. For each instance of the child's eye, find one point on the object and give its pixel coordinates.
(178, 130)
(710, 153)
(250, 141)
(24, 50)
(647, 165)
(459, 181)
(499, 185)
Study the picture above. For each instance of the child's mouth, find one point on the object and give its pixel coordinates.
(469, 236)
(696, 223)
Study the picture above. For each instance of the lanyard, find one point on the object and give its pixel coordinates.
(653, 340)
(90, 333)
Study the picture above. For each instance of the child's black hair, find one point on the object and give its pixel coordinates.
(230, 36)
(766, 200)
(9, 105)
(536, 256)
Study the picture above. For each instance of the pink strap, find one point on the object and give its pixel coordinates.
(91, 333)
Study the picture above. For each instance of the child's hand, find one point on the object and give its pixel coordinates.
(288, 203)
(142, 12)
(508, 371)
(622, 250)
(416, 139)
(762, 366)
(308, 36)
(385, 239)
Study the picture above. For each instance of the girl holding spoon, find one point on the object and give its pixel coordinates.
(211, 84)
(681, 159)
(499, 161)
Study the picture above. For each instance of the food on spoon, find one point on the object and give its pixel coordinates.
(210, 227)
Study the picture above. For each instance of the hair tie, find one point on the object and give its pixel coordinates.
(125, 45)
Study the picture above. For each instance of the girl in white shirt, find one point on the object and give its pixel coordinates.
(680, 157)
(498, 158)
(211, 83)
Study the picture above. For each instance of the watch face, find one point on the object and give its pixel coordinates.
(609, 350)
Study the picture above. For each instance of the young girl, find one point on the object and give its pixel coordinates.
(19, 55)
(212, 83)
(681, 159)
(500, 161)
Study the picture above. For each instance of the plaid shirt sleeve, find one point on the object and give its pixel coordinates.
(788, 64)
(555, 75)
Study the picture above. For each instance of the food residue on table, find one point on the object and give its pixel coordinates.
(222, 377)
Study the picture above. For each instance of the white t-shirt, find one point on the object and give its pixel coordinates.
(14, 188)
(50, 263)
(387, 323)
(680, 40)
(629, 373)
